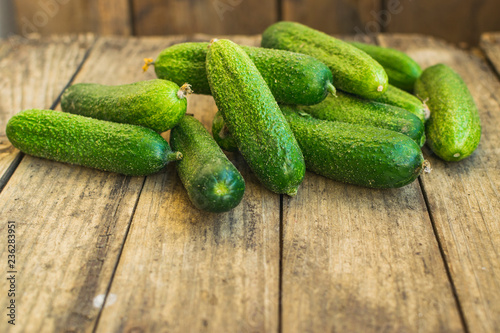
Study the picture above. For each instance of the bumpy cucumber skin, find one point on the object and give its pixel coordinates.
(153, 104)
(122, 148)
(221, 134)
(454, 128)
(292, 78)
(402, 70)
(353, 70)
(260, 130)
(212, 182)
(361, 155)
(397, 97)
(351, 109)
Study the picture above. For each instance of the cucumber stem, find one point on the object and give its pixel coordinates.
(331, 89)
(293, 192)
(427, 166)
(380, 88)
(174, 156)
(147, 62)
(184, 91)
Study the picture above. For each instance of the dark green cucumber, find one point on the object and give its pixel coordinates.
(221, 134)
(293, 78)
(454, 128)
(156, 104)
(253, 117)
(122, 148)
(356, 154)
(211, 180)
(397, 97)
(402, 70)
(351, 109)
(353, 70)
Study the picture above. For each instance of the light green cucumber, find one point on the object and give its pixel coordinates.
(292, 78)
(353, 70)
(454, 128)
(397, 97)
(253, 117)
(351, 109)
(402, 70)
(211, 180)
(156, 104)
(122, 148)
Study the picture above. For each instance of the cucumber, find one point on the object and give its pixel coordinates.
(351, 109)
(353, 70)
(402, 70)
(293, 78)
(156, 104)
(253, 117)
(211, 180)
(122, 148)
(454, 128)
(356, 154)
(221, 134)
(397, 97)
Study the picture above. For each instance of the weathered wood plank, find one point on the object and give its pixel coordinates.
(490, 43)
(72, 221)
(33, 72)
(333, 17)
(362, 260)
(160, 17)
(463, 196)
(105, 17)
(458, 22)
(193, 271)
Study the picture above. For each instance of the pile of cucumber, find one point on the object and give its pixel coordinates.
(304, 100)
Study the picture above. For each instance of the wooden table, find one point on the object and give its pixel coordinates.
(97, 251)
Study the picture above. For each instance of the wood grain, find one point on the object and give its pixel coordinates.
(333, 17)
(72, 221)
(457, 21)
(463, 196)
(490, 43)
(183, 270)
(33, 72)
(45, 17)
(160, 17)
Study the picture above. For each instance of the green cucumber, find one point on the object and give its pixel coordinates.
(351, 109)
(122, 148)
(293, 78)
(211, 180)
(356, 154)
(353, 70)
(397, 97)
(156, 104)
(402, 70)
(221, 134)
(253, 117)
(454, 128)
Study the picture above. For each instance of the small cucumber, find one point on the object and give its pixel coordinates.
(353, 70)
(293, 78)
(253, 117)
(402, 70)
(156, 104)
(351, 109)
(122, 148)
(397, 97)
(356, 154)
(221, 134)
(211, 180)
(454, 128)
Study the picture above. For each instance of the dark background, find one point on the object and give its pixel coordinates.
(458, 21)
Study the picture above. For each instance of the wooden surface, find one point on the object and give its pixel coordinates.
(454, 20)
(102, 252)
